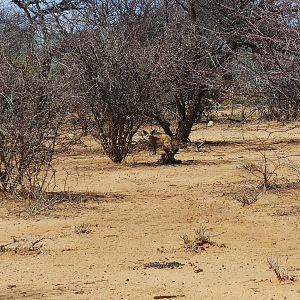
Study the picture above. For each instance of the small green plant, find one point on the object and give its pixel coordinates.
(280, 272)
(83, 228)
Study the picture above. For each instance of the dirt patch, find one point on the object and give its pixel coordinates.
(121, 217)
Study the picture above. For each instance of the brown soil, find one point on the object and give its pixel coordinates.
(132, 217)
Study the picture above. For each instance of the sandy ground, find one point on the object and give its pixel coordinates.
(137, 212)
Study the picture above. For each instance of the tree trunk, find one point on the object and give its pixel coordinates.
(188, 114)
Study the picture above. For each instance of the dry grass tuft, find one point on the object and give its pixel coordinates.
(83, 228)
(201, 238)
(164, 265)
(247, 195)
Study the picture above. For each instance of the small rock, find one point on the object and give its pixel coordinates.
(11, 286)
(199, 270)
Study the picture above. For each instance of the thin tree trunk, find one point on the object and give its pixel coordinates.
(188, 114)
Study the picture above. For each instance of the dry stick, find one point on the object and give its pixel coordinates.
(217, 234)
(65, 183)
(168, 296)
(3, 246)
(50, 179)
(38, 240)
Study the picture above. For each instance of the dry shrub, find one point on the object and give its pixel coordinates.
(201, 238)
(33, 108)
(247, 195)
(83, 228)
(264, 171)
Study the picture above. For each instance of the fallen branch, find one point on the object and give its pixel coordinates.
(167, 296)
(22, 245)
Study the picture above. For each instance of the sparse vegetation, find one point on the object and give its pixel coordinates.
(83, 228)
(164, 265)
(246, 196)
(264, 171)
(46, 201)
(267, 167)
(80, 78)
(162, 62)
(201, 238)
(291, 211)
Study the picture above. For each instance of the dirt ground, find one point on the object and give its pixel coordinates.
(136, 213)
